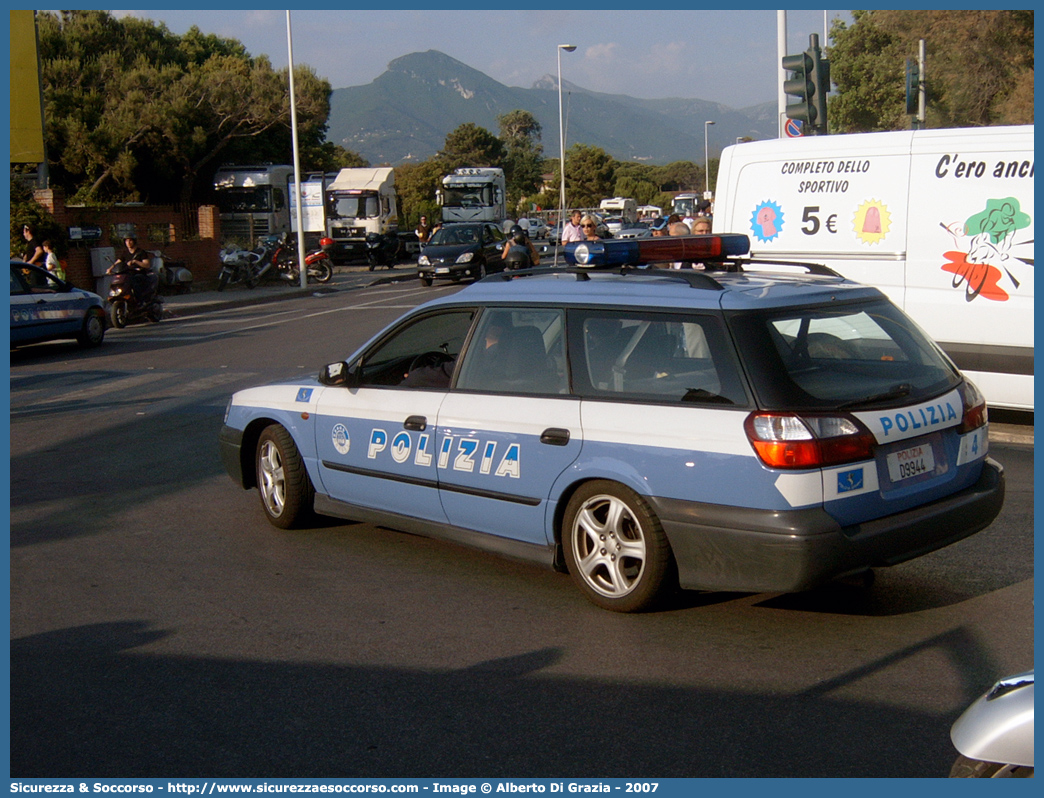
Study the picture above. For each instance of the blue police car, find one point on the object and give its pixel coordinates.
(44, 308)
(712, 426)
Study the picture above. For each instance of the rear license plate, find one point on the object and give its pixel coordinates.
(912, 462)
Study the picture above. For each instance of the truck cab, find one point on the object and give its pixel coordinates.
(473, 194)
(360, 201)
(252, 201)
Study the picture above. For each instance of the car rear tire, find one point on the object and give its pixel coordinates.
(93, 331)
(615, 548)
(118, 313)
(286, 491)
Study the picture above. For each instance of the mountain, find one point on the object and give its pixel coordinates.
(405, 114)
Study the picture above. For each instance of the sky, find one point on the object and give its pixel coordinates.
(728, 57)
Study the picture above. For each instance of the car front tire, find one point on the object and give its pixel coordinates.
(287, 494)
(93, 331)
(615, 548)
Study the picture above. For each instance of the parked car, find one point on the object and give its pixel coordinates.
(537, 227)
(461, 249)
(634, 230)
(615, 224)
(642, 428)
(44, 308)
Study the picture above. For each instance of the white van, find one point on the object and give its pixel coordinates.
(941, 220)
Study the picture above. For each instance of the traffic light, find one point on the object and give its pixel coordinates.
(809, 82)
(800, 85)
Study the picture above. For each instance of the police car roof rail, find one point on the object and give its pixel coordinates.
(819, 269)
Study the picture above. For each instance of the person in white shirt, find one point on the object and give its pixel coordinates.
(571, 230)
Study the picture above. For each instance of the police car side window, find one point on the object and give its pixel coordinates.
(517, 351)
(420, 354)
(16, 284)
(640, 356)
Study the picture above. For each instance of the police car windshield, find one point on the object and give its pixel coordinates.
(828, 358)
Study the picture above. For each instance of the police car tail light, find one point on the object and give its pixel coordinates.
(787, 440)
(975, 413)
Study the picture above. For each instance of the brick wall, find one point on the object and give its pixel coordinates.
(188, 235)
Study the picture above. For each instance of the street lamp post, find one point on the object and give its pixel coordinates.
(706, 156)
(561, 144)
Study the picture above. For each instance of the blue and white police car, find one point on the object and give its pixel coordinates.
(723, 427)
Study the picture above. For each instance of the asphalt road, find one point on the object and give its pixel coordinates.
(161, 627)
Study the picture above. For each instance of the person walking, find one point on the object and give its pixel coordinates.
(571, 230)
(34, 251)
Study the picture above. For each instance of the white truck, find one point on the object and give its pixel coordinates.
(940, 220)
(624, 207)
(360, 201)
(473, 194)
(252, 201)
(690, 204)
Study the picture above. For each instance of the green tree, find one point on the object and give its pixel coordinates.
(523, 157)
(135, 112)
(471, 145)
(416, 185)
(679, 176)
(590, 176)
(979, 68)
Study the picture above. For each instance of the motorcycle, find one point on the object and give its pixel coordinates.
(244, 265)
(133, 295)
(272, 258)
(994, 736)
(319, 264)
(381, 250)
(172, 274)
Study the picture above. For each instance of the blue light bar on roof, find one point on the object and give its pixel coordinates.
(665, 249)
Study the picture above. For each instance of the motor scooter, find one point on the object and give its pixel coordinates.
(172, 274)
(133, 295)
(994, 736)
(381, 250)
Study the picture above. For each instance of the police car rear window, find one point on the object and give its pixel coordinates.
(840, 357)
(650, 356)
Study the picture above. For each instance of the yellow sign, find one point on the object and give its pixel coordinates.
(27, 143)
(872, 222)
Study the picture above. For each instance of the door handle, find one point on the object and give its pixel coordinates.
(416, 423)
(555, 436)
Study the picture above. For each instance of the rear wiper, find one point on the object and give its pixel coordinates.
(895, 392)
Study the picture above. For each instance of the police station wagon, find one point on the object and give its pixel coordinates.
(643, 428)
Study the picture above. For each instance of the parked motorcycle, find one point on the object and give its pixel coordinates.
(381, 250)
(318, 263)
(133, 295)
(994, 736)
(172, 274)
(241, 265)
(272, 256)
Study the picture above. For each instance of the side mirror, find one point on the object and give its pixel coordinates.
(336, 374)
